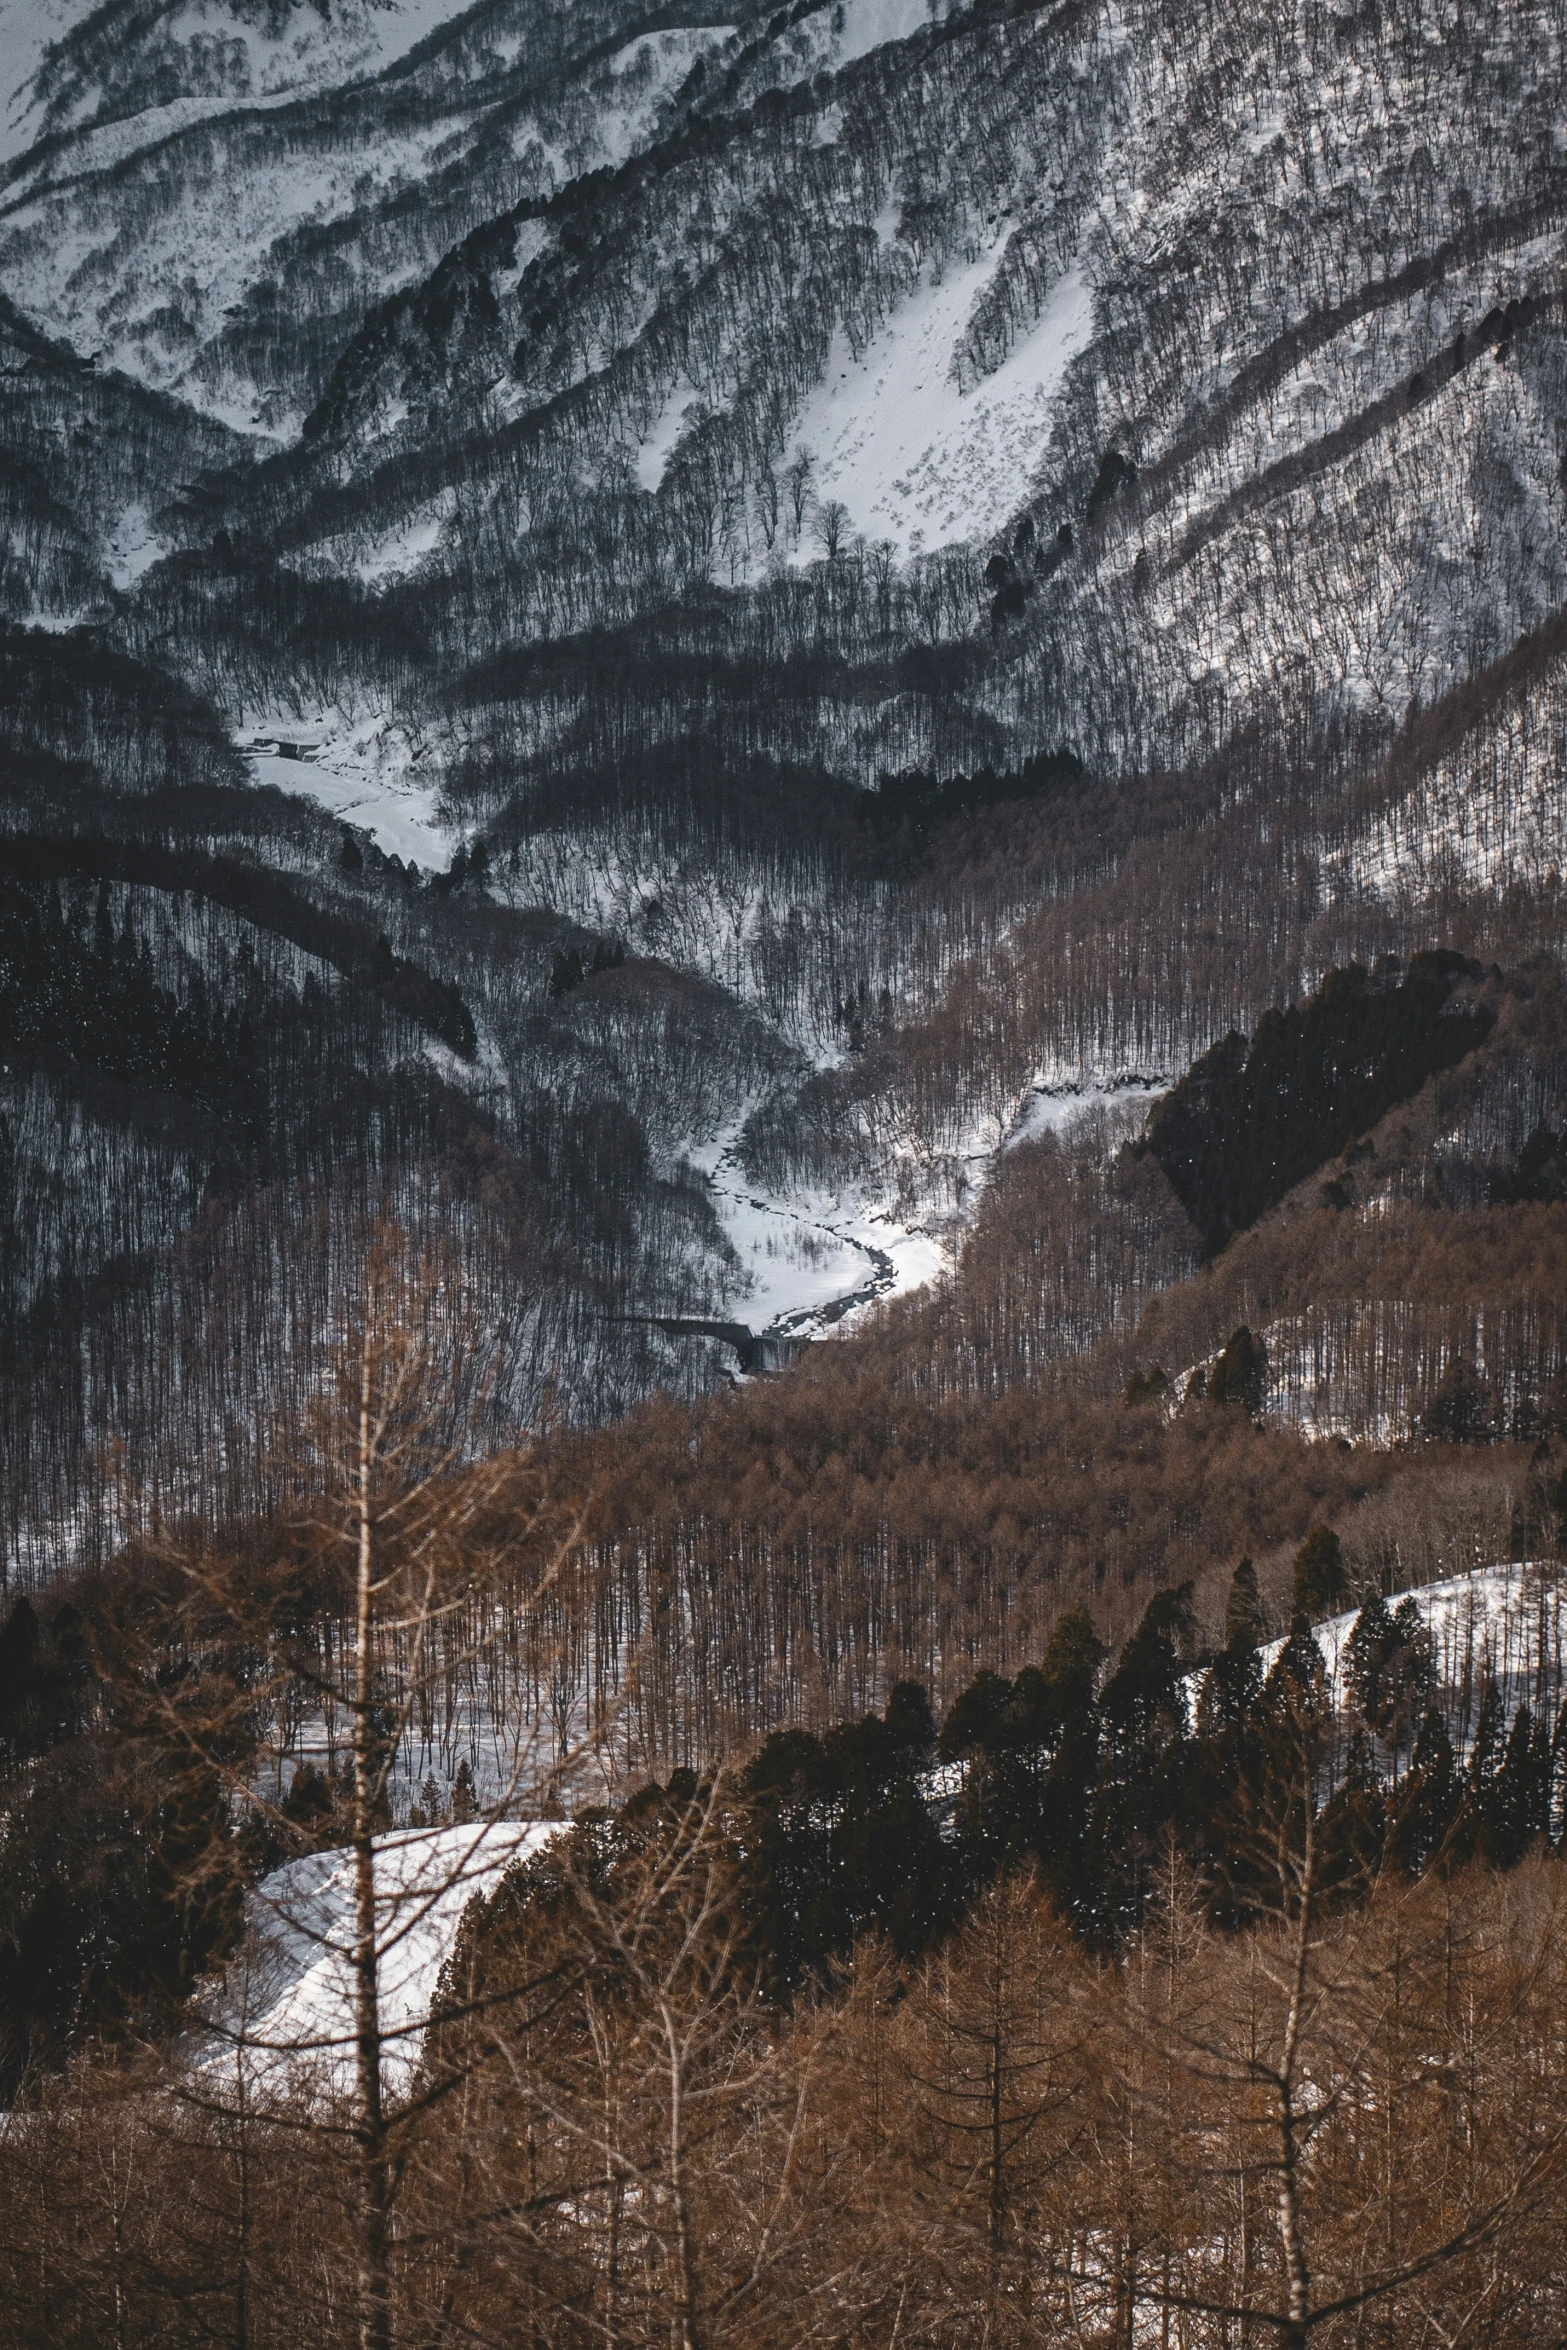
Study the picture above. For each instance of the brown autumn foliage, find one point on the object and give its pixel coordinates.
(1340, 2127)
(926, 1496)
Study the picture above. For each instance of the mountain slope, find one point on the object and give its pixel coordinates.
(832, 574)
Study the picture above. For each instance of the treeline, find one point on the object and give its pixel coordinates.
(261, 896)
(1247, 1123)
(200, 1118)
(1083, 1771)
(833, 2042)
(786, 1556)
(1004, 2138)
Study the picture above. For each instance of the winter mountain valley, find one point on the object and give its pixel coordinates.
(783, 1173)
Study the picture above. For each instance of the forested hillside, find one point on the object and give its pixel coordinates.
(783, 1172)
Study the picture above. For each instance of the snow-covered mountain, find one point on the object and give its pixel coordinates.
(211, 196)
(819, 569)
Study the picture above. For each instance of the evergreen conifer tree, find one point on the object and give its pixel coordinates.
(1321, 1585)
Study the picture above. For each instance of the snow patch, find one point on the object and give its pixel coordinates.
(913, 458)
(372, 771)
(134, 547)
(286, 2007)
(1506, 1624)
(868, 24)
(1057, 1101)
(401, 550)
(663, 435)
(1056, 1107)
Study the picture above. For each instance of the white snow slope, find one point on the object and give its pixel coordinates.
(916, 460)
(286, 2005)
(368, 770)
(138, 232)
(813, 1261)
(1506, 1624)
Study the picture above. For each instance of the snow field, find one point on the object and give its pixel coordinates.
(396, 553)
(868, 23)
(285, 2011)
(1506, 1624)
(814, 1261)
(367, 770)
(916, 460)
(313, 50)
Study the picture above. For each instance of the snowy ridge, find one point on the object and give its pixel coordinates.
(242, 62)
(1505, 1625)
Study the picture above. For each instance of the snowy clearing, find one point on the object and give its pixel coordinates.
(913, 458)
(285, 2008)
(401, 550)
(370, 771)
(652, 457)
(134, 547)
(1056, 1106)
